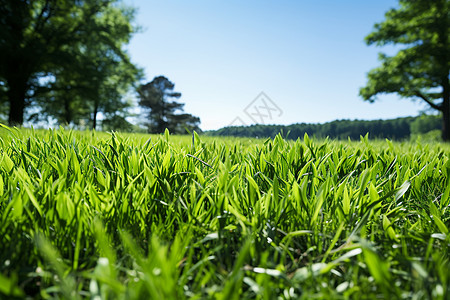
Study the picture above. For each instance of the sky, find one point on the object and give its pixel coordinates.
(267, 62)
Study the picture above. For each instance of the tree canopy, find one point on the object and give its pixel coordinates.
(420, 70)
(65, 57)
(156, 96)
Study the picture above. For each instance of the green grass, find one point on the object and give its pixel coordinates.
(109, 216)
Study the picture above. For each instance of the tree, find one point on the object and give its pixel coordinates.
(109, 66)
(421, 69)
(180, 123)
(155, 96)
(425, 124)
(63, 54)
(97, 84)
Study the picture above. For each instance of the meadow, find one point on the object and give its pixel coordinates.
(121, 216)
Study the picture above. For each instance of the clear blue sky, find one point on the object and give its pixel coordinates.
(308, 57)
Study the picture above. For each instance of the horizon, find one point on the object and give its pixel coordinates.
(322, 123)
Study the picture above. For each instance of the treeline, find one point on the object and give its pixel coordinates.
(395, 129)
(65, 62)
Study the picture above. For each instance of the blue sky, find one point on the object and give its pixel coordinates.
(308, 57)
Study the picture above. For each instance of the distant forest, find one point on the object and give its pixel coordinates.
(395, 129)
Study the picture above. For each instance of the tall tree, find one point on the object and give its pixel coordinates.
(156, 96)
(110, 66)
(420, 70)
(74, 43)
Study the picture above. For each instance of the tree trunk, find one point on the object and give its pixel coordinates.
(445, 109)
(17, 89)
(445, 126)
(67, 111)
(443, 65)
(94, 117)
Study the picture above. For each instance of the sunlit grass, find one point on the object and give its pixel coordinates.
(90, 214)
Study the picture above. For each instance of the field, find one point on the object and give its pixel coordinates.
(112, 216)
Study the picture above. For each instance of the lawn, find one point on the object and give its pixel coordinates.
(114, 216)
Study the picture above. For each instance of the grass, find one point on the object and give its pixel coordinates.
(109, 216)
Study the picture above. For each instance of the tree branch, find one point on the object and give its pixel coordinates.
(424, 98)
(39, 21)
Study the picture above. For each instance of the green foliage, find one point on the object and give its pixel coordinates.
(155, 96)
(421, 69)
(96, 215)
(65, 58)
